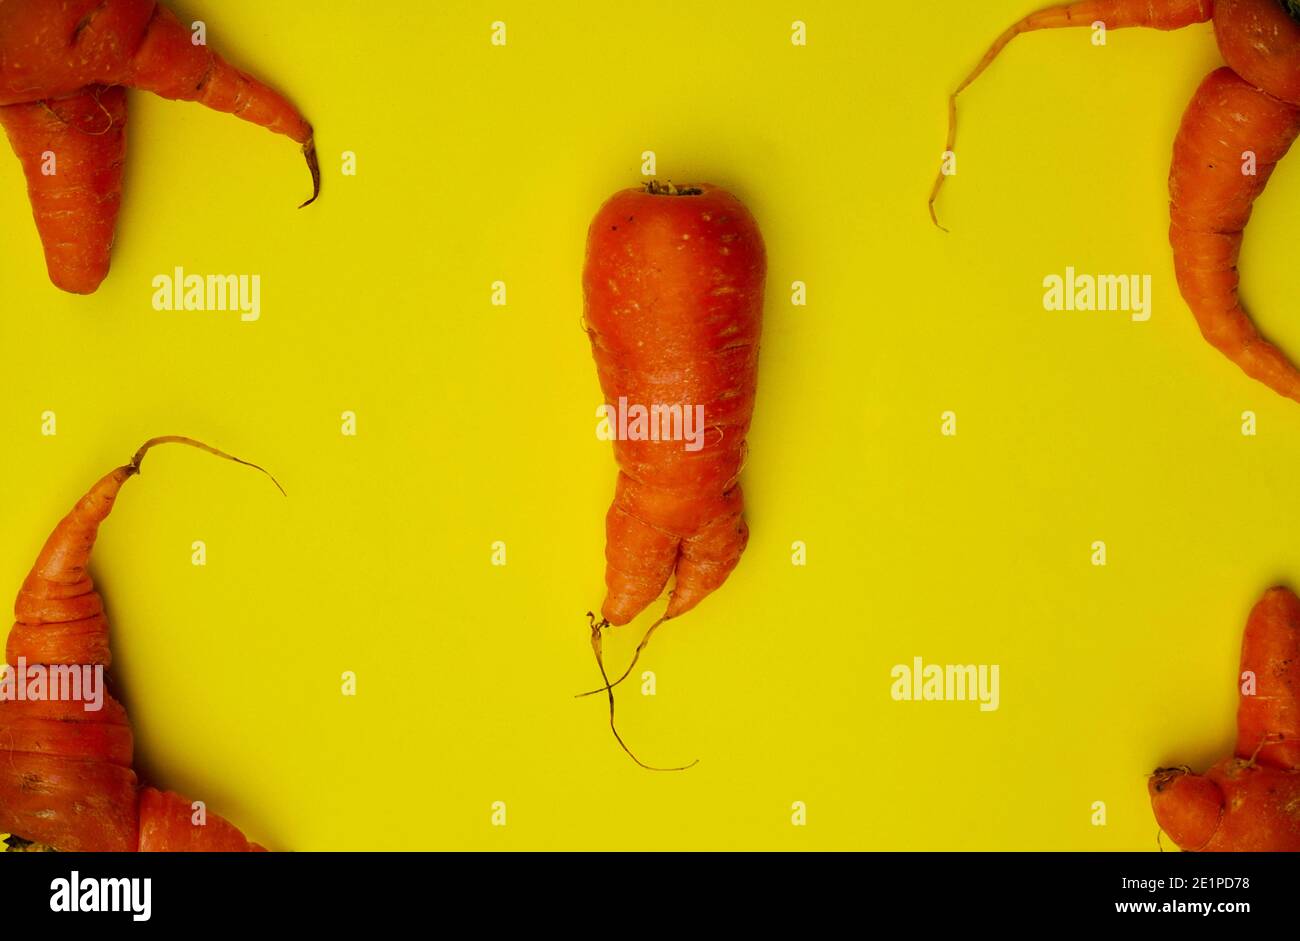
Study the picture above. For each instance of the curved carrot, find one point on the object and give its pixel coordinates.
(56, 56)
(1250, 801)
(1116, 14)
(1238, 126)
(53, 48)
(65, 771)
(72, 154)
(1210, 203)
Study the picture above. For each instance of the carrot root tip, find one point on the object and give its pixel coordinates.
(313, 165)
(136, 460)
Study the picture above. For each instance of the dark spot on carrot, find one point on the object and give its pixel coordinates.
(86, 21)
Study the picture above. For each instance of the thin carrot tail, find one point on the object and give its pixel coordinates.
(1211, 199)
(72, 151)
(170, 823)
(168, 64)
(1268, 716)
(597, 648)
(1115, 14)
(645, 640)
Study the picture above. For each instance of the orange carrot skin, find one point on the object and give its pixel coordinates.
(72, 805)
(1261, 42)
(64, 729)
(1268, 721)
(58, 590)
(1236, 806)
(75, 207)
(65, 774)
(1251, 801)
(673, 290)
(1210, 204)
(54, 748)
(1188, 807)
(1116, 14)
(53, 48)
(167, 826)
(56, 57)
(1119, 14)
(65, 777)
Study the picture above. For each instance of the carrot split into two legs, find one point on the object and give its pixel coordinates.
(673, 299)
(1252, 107)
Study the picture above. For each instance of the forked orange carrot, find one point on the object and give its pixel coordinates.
(673, 291)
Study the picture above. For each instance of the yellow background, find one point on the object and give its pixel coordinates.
(476, 423)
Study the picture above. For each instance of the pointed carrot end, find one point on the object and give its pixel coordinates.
(313, 165)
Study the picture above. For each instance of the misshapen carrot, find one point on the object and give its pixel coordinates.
(1247, 112)
(1211, 199)
(51, 50)
(673, 292)
(673, 289)
(1250, 801)
(65, 771)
